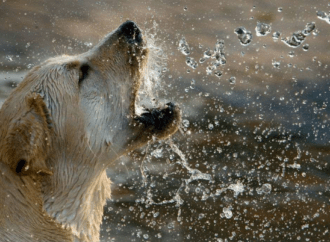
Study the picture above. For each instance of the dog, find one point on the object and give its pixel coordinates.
(68, 121)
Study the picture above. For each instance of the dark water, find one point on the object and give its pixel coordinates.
(263, 138)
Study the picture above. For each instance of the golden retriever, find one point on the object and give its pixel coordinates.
(63, 126)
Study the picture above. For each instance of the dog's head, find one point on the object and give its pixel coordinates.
(77, 104)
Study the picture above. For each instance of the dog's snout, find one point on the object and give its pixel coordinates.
(131, 31)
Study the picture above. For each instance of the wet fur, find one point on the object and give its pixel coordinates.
(66, 123)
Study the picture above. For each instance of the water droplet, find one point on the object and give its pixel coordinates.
(218, 53)
(316, 32)
(218, 74)
(280, 9)
(309, 28)
(207, 54)
(29, 66)
(200, 216)
(191, 62)
(291, 54)
(183, 46)
(209, 70)
(298, 37)
(305, 47)
(244, 36)
(263, 29)
(146, 236)
(88, 44)
(186, 123)
(276, 35)
(185, 8)
(237, 188)
(232, 80)
(227, 212)
(264, 189)
(324, 16)
(211, 126)
(276, 64)
(158, 153)
(9, 57)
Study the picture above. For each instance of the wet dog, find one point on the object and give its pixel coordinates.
(63, 126)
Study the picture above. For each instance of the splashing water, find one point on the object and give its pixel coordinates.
(184, 47)
(264, 189)
(298, 37)
(244, 36)
(195, 175)
(263, 29)
(157, 63)
(276, 64)
(219, 54)
(276, 35)
(323, 16)
(191, 62)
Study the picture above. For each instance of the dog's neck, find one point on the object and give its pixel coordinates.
(77, 199)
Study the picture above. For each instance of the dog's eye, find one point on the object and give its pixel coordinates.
(83, 72)
(20, 165)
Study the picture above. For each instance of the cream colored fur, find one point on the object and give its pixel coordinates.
(68, 121)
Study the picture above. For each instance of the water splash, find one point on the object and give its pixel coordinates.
(276, 35)
(232, 80)
(323, 16)
(263, 29)
(157, 63)
(227, 212)
(195, 175)
(218, 74)
(236, 188)
(219, 54)
(191, 62)
(305, 47)
(184, 47)
(244, 36)
(298, 37)
(276, 64)
(9, 58)
(264, 189)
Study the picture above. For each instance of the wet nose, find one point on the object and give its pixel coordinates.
(131, 31)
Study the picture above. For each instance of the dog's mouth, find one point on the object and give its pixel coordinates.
(161, 121)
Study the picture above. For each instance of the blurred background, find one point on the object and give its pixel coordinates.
(251, 162)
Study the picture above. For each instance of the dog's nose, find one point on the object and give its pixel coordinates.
(131, 31)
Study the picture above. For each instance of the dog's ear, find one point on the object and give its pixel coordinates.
(28, 139)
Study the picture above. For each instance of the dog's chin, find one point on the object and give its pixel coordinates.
(160, 123)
